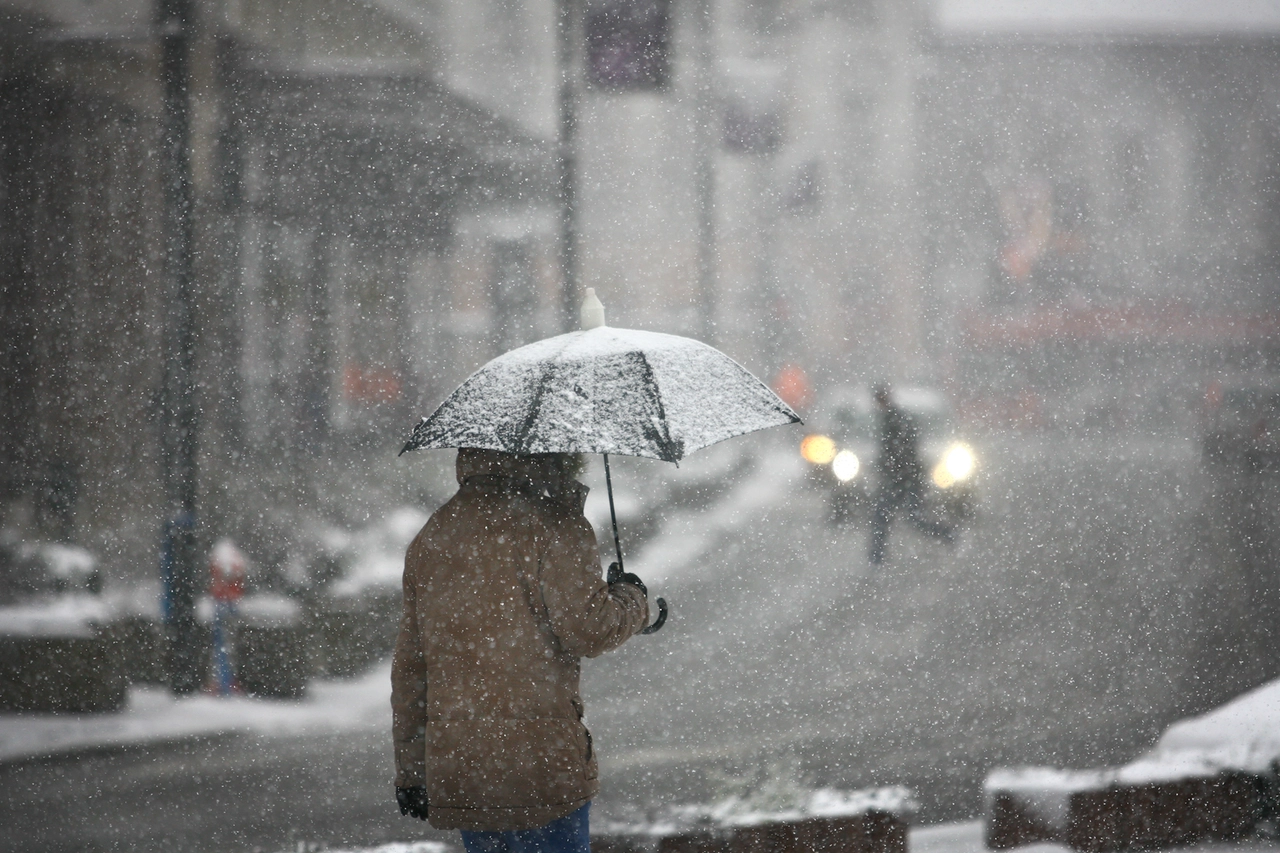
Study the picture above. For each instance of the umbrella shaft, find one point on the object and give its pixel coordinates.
(613, 516)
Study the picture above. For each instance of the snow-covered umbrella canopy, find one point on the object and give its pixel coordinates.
(604, 390)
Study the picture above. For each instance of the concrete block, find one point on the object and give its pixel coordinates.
(1011, 824)
(1164, 814)
(59, 674)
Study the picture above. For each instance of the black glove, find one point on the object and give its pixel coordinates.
(617, 575)
(412, 801)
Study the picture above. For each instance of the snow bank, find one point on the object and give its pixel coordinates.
(260, 610)
(68, 562)
(153, 715)
(75, 615)
(738, 812)
(1242, 736)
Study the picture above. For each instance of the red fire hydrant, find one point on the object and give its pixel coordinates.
(227, 570)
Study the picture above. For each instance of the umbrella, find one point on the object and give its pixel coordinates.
(605, 390)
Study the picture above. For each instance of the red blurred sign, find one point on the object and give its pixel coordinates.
(370, 384)
(792, 385)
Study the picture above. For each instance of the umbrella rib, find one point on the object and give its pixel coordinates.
(667, 446)
(421, 433)
(535, 408)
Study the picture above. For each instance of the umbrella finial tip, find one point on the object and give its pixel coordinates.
(592, 310)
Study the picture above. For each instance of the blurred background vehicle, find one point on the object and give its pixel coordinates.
(842, 450)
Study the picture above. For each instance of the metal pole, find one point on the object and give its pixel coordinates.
(705, 177)
(174, 21)
(608, 482)
(567, 32)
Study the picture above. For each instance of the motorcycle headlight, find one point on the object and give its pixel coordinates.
(818, 449)
(956, 465)
(845, 465)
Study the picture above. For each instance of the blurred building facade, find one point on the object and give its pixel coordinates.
(1033, 204)
(941, 191)
(343, 194)
(1102, 205)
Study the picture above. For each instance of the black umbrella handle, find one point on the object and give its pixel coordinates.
(660, 621)
(617, 546)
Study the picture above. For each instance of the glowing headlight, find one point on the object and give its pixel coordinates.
(957, 464)
(845, 465)
(818, 449)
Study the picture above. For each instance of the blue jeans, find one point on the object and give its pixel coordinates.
(569, 834)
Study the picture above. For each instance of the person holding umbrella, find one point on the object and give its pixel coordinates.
(503, 594)
(503, 597)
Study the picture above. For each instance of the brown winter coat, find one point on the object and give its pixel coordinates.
(502, 598)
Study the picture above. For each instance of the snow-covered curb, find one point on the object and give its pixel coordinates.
(824, 802)
(154, 715)
(737, 812)
(78, 615)
(1201, 781)
(1243, 736)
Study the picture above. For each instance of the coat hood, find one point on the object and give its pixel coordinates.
(480, 462)
(537, 472)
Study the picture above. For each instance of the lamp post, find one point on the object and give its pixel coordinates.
(181, 561)
(568, 22)
(706, 126)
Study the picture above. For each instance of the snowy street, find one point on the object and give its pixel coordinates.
(1063, 629)
(1060, 631)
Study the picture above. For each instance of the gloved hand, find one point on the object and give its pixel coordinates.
(412, 801)
(617, 575)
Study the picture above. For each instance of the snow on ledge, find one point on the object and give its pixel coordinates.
(261, 610)
(154, 715)
(1242, 736)
(398, 847)
(1043, 779)
(76, 616)
(734, 812)
(824, 802)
